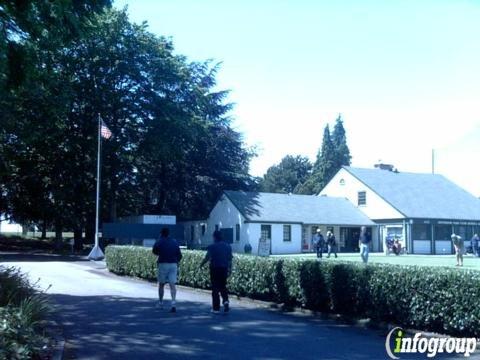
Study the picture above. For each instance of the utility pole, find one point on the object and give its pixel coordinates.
(433, 161)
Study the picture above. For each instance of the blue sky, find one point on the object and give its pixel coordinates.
(405, 75)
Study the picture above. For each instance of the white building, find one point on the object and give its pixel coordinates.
(7, 226)
(423, 210)
(287, 221)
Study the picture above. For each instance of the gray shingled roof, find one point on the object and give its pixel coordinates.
(306, 209)
(421, 195)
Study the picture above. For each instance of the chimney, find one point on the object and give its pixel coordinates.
(383, 166)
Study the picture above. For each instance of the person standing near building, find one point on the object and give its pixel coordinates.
(318, 243)
(474, 243)
(169, 255)
(219, 254)
(459, 246)
(331, 243)
(364, 243)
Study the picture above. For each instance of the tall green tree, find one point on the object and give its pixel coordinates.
(287, 176)
(339, 139)
(173, 149)
(324, 168)
(32, 33)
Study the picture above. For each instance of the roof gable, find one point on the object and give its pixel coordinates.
(430, 196)
(306, 209)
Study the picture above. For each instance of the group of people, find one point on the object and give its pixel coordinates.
(394, 246)
(319, 243)
(219, 256)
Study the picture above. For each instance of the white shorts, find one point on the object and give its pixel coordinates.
(167, 273)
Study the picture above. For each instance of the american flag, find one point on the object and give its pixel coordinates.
(105, 131)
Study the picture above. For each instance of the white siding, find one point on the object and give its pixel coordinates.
(286, 247)
(376, 208)
(443, 247)
(226, 215)
(422, 247)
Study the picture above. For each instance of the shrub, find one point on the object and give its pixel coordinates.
(21, 311)
(428, 298)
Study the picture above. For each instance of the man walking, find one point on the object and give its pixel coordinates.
(331, 243)
(169, 255)
(318, 243)
(474, 243)
(364, 242)
(219, 254)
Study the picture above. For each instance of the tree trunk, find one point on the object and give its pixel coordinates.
(90, 230)
(25, 230)
(77, 239)
(44, 229)
(113, 210)
(58, 235)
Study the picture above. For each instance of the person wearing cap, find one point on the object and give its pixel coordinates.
(459, 246)
(219, 255)
(318, 243)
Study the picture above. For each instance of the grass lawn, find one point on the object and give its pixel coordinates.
(469, 261)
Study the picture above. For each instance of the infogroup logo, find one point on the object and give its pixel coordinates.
(398, 343)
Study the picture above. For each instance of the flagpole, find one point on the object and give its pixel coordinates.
(97, 253)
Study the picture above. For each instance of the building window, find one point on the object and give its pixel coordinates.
(216, 227)
(421, 232)
(342, 182)
(443, 232)
(204, 229)
(266, 232)
(237, 232)
(362, 198)
(287, 233)
(192, 232)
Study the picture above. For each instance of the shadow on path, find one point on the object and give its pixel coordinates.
(109, 327)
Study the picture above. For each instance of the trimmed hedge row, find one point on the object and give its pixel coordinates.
(428, 298)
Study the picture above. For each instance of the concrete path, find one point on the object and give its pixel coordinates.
(110, 317)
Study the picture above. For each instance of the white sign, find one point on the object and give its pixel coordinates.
(264, 246)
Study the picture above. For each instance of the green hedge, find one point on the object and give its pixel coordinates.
(429, 298)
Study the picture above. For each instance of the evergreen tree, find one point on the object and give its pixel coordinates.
(339, 139)
(287, 176)
(324, 168)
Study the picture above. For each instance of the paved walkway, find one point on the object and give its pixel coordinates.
(110, 317)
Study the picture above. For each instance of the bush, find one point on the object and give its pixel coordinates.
(427, 298)
(21, 311)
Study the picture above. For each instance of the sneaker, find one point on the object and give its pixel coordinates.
(226, 307)
(215, 312)
(173, 309)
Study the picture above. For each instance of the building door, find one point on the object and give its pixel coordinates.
(266, 235)
(349, 237)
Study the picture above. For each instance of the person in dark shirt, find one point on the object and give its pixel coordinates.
(475, 242)
(318, 243)
(219, 255)
(169, 255)
(364, 242)
(331, 243)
